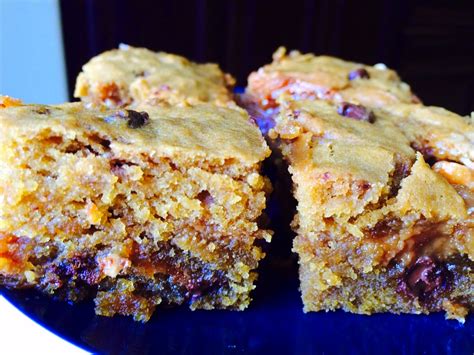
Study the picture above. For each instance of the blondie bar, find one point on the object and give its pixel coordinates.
(131, 208)
(327, 78)
(300, 76)
(385, 215)
(131, 75)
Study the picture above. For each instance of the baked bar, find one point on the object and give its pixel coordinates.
(131, 75)
(385, 215)
(300, 76)
(306, 76)
(132, 208)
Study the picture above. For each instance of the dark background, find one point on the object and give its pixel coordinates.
(430, 43)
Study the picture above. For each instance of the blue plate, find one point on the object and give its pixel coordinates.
(274, 323)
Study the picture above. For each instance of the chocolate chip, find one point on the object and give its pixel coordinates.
(360, 73)
(401, 171)
(135, 119)
(357, 112)
(428, 152)
(205, 197)
(424, 278)
(116, 166)
(42, 110)
(142, 73)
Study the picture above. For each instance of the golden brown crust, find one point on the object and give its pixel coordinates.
(131, 75)
(327, 78)
(202, 131)
(7, 101)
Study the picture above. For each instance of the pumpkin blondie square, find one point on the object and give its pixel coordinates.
(300, 76)
(130, 75)
(385, 214)
(131, 208)
(384, 185)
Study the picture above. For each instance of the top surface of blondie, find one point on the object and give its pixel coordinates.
(203, 131)
(441, 133)
(361, 141)
(335, 70)
(145, 73)
(327, 76)
(340, 144)
(346, 157)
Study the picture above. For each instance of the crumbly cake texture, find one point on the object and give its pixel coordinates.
(130, 75)
(385, 215)
(306, 76)
(131, 208)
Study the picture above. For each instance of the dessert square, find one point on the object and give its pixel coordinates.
(307, 76)
(133, 208)
(298, 76)
(130, 75)
(385, 214)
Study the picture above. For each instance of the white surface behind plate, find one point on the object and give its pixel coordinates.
(20, 335)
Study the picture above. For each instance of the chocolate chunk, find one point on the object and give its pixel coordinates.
(428, 153)
(205, 197)
(357, 112)
(424, 278)
(142, 73)
(360, 73)
(401, 171)
(42, 110)
(135, 119)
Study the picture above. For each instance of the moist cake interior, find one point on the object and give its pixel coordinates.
(82, 218)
